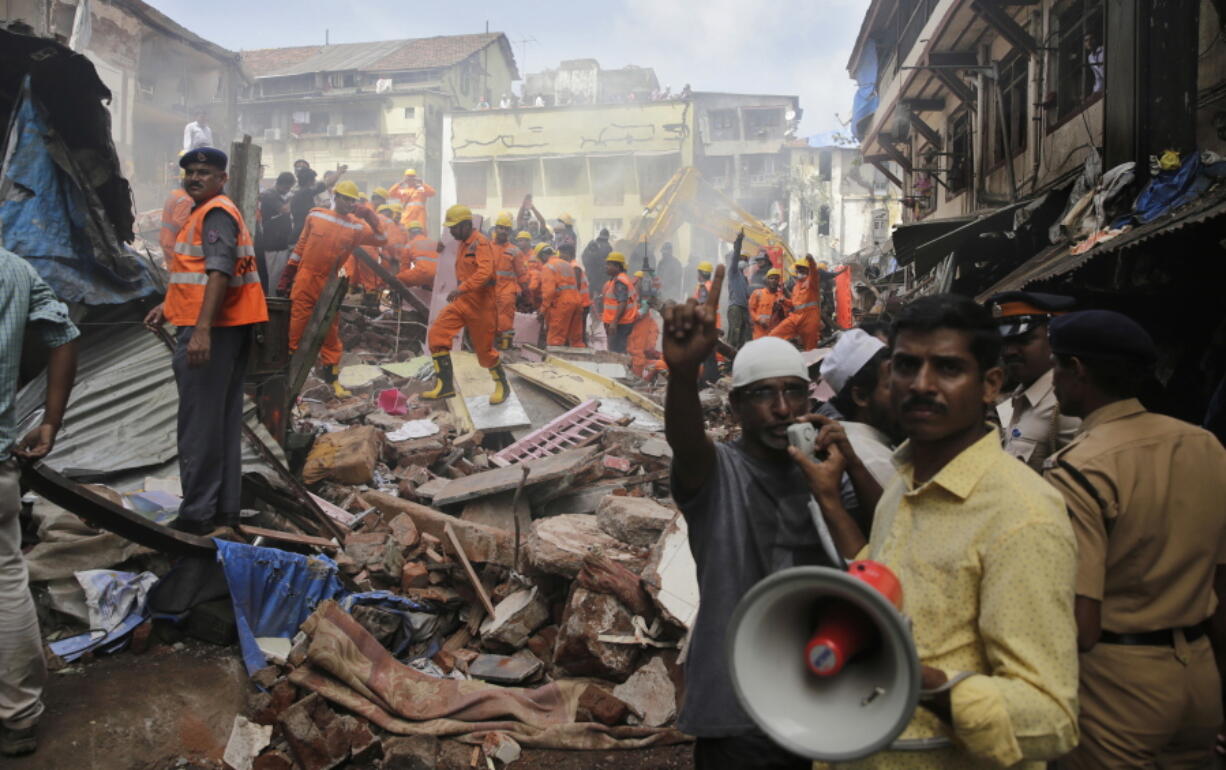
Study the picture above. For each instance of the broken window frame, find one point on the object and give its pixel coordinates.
(961, 159)
(1014, 85)
(725, 125)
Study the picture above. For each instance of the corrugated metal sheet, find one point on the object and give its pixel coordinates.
(1059, 259)
(123, 411)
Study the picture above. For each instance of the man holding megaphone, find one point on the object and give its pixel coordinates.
(982, 548)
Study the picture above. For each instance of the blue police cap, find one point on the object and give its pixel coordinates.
(1018, 312)
(210, 155)
(1101, 334)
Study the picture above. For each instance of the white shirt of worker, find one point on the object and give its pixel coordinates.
(1032, 424)
(196, 135)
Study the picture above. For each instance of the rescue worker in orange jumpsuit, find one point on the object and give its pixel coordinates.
(804, 322)
(541, 253)
(361, 275)
(471, 306)
(621, 303)
(646, 332)
(175, 211)
(327, 239)
(764, 304)
(213, 298)
(560, 300)
(421, 259)
(412, 192)
(507, 280)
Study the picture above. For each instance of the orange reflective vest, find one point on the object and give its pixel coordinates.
(762, 306)
(504, 263)
(244, 302)
(557, 279)
(631, 313)
(423, 250)
(414, 200)
(175, 211)
(474, 265)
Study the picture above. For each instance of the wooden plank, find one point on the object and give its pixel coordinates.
(326, 308)
(288, 537)
(960, 90)
(576, 384)
(497, 480)
(392, 282)
(243, 186)
(879, 162)
(1003, 23)
(928, 132)
(895, 154)
(468, 570)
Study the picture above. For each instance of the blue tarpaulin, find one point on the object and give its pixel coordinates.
(273, 592)
(419, 621)
(864, 105)
(44, 218)
(1171, 189)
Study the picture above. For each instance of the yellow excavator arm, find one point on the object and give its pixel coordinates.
(688, 198)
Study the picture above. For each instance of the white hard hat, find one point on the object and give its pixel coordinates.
(850, 353)
(765, 358)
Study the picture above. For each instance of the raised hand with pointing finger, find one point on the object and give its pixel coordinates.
(690, 331)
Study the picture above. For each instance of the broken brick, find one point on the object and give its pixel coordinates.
(404, 531)
(414, 575)
(514, 620)
(347, 456)
(599, 705)
(619, 464)
(416, 752)
(273, 759)
(634, 520)
(579, 651)
(558, 544)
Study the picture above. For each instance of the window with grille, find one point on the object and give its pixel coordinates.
(1080, 56)
(724, 125)
(764, 123)
(518, 178)
(960, 162)
(471, 183)
(1014, 86)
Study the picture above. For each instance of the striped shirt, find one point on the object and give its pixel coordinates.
(27, 305)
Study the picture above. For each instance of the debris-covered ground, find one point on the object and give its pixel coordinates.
(464, 586)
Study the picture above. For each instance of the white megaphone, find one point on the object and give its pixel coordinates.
(822, 659)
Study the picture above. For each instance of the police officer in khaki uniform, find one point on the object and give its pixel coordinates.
(1145, 493)
(1032, 425)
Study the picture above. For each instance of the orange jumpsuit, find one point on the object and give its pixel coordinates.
(805, 320)
(419, 263)
(643, 338)
(843, 298)
(507, 285)
(360, 274)
(534, 281)
(175, 211)
(414, 200)
(475, 308)
(327, 238)
(561, 303)
(762, 310)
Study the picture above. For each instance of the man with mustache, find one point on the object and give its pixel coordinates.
(983, 548)
(213, 299)
(745, 505)
(1033, 426)
(1144, 492)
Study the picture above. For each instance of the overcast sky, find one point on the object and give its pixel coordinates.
(750, 46)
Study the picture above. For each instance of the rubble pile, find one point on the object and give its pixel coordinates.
(487, 606)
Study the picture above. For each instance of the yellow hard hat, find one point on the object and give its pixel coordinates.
(527, 236)
(541, 248)
(457, 214)
(792, 268)
(380, 191)
(774, 271)
(386, 207)
(616, 256)
(504, 220)
(397, 206)
(822, 266)
(705, 267)
(566, 219)
(347, 188)
(638, 273)
(410, 172)
(415, 226)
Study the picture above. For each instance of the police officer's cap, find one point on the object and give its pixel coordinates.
(1101, 334)
(1020, 311)
(210, 155)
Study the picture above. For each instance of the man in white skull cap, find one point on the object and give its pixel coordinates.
(745, 506)
(857, 369)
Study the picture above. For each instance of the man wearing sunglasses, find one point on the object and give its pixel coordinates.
(745, 505)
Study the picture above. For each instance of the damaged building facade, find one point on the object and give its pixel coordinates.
(376, 107)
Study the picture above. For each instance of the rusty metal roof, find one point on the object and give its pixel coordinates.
(381, 56)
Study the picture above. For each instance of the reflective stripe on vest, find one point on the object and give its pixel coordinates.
(244, 299)
(335, 220)
(415, 203)
(805, 306)
(505, 273)
(630, 314)
(566, 281)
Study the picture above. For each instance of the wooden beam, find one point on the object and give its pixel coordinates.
(953, 59)
(321, 543)
(925, 105)
(1003, 23)
(896, 156)
(961, 91)
(393, 283)
(879, 162)
(326, 308)
(926, 130)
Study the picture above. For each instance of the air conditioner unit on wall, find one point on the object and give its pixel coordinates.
(272, 135)
(336, 130)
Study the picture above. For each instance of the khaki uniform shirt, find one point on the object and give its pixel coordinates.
(1031, 423)
(986, 557)
(1147, 497)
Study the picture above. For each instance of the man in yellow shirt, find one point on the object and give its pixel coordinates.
(982, 546)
